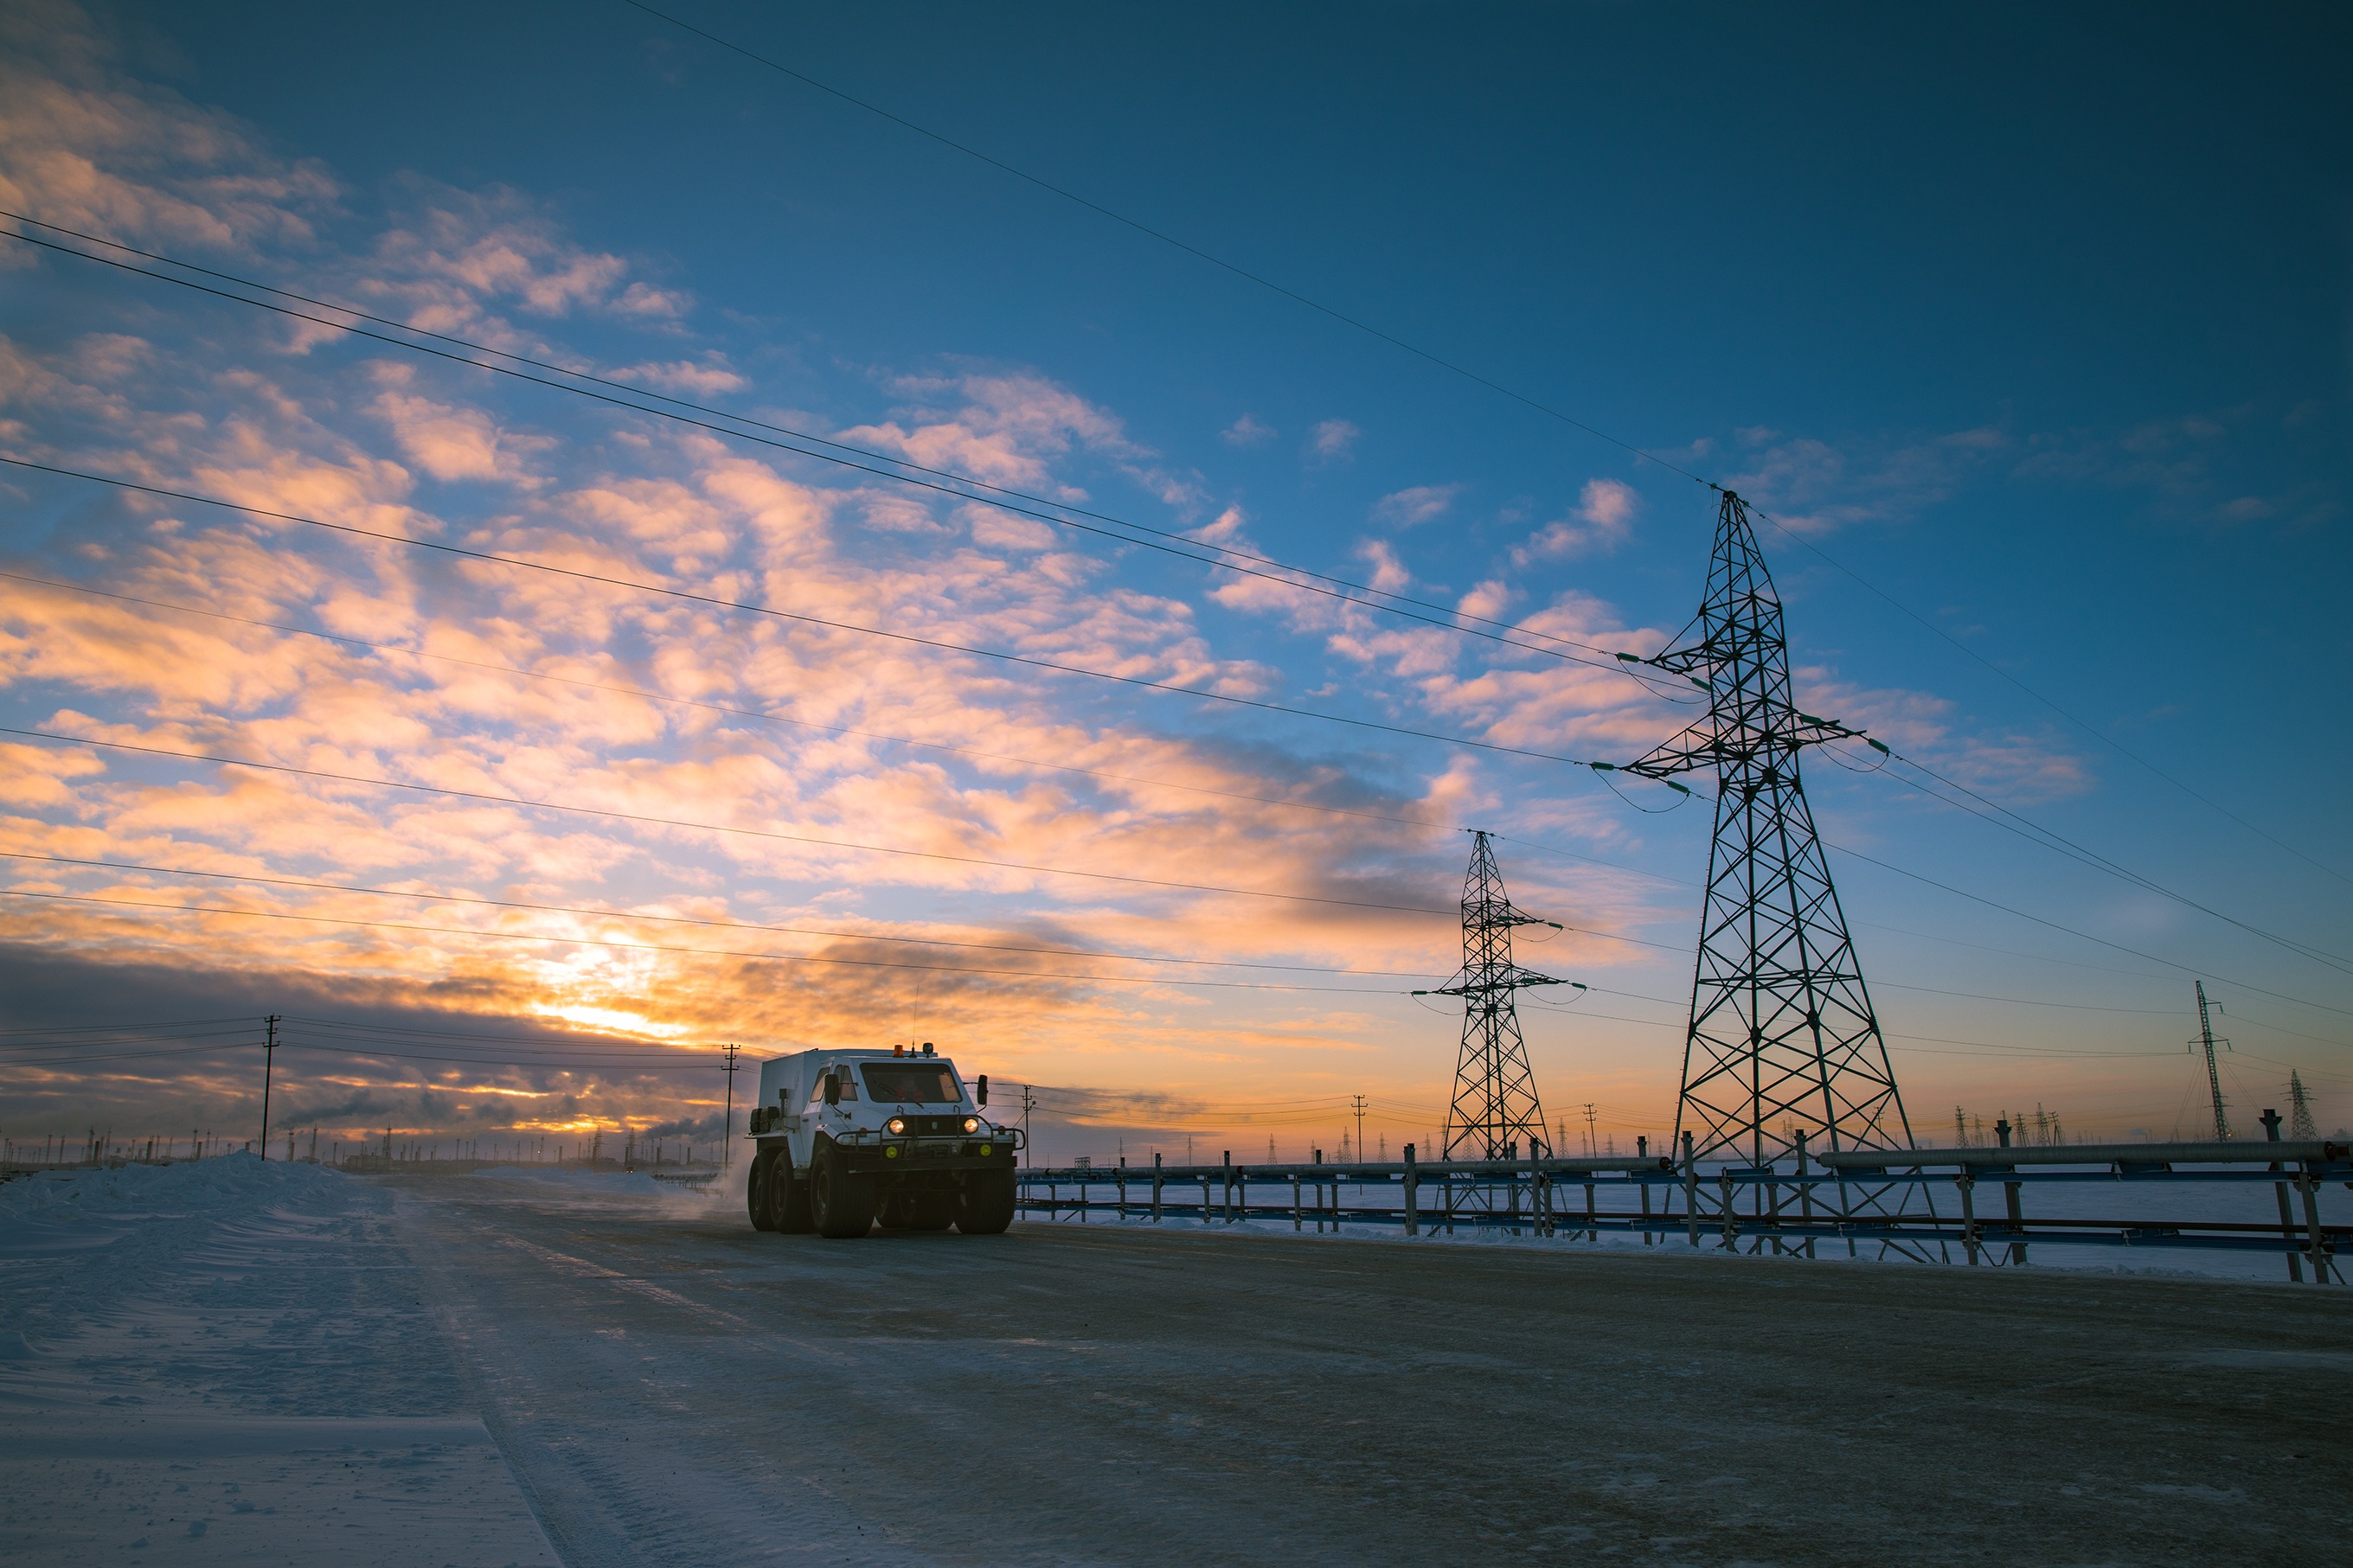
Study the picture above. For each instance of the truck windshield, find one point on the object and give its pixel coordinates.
(896, 1083)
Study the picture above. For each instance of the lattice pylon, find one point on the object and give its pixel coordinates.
(1495, 1112)
(1782, 1036)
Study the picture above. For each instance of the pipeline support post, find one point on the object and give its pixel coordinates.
(2010, 1195)
(2316, 1249)
(1156, 1186)
(1642, 1183)
(1691, 1190)
(1412, 1185)
(2271, 1120)
(1968, 1184)
(1805, 1194)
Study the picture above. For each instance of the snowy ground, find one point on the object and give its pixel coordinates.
(229, 1363)
(436, 1369)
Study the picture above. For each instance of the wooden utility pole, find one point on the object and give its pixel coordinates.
(268, 1059)
(727, 1128)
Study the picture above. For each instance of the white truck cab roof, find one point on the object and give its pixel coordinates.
(894, 1077)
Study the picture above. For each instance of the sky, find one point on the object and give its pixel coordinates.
(2026, 333)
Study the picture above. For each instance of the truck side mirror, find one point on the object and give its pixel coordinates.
(832, 1089)
(980, 1089)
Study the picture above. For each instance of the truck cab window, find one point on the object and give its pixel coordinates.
(912, 1083)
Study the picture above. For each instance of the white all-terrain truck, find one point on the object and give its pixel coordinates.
(844, 1139)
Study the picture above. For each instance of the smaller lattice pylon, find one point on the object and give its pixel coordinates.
(2300, 1125)
(1495, 1114)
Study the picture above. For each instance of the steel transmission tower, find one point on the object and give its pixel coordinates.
(1495, 1112)
(1782, 1035)
(2214, 1074)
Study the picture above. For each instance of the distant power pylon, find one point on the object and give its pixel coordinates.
(2214, 1074)
(1782, 1032)
(2300, 1125)
(1495, 1109)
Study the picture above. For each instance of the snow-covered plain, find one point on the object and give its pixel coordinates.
(226, 1361)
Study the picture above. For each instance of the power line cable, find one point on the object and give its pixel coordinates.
(756, 714)
(417, 1032)
(2086, 936)
(2099, 734)
(1171, 240)
(1163, 541)
(764, 717)
(282, 881)
(2034, 833)
(679, 948)
(942, 943)
(2064, 845)
(898, 637)
(745, 607)
(647, 820)
(1466, 374)
(357, 1051)
(1193, 886)
(112, 1029)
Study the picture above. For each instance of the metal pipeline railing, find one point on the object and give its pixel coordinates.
(1886, 1196)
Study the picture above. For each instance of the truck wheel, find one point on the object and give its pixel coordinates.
(840, 1204)
(756, 1191)
(789, 1200)
(984, 1204)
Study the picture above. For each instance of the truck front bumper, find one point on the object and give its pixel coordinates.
(892, 1156)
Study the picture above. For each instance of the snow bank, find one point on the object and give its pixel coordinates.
(232, 1182)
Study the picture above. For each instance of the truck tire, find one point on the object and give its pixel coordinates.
(984, 1204)
(840, 1204)
(788, 1202)
(755, 1190)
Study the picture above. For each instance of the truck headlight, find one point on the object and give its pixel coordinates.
(896, 1127)
(972, 1123)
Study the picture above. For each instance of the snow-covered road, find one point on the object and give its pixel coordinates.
(677, 1387)
(670, 1386)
